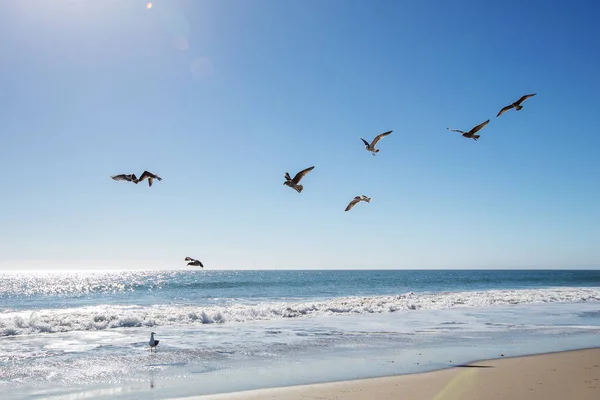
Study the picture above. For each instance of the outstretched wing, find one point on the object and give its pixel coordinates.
(365, 142)
(287, 176)
(149, 175)
(478, 127)
(522, 99)
(301, 174)
(200, 264)
(145, 175)
(378, 138)
(352, 203)
(121, 177)
(505, 109)
(456, 130)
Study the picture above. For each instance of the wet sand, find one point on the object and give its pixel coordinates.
(554, 376)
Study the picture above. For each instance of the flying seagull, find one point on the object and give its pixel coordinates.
(293, 183)
(193, 262)
(126, 177)
(516, 105)
(356, 200)
(153, 343)
(371, 147)
(150, 177)
(472, 133)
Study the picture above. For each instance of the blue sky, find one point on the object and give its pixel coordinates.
(221, 98)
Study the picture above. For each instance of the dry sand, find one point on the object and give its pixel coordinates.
(572, 375)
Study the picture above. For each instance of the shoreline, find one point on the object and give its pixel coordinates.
(550, 376)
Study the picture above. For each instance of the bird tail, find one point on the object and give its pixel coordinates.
(368, 199)
(299, 188)
(518, 107)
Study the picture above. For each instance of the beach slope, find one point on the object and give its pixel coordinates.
(554, 376)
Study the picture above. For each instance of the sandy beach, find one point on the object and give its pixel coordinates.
(565, 375)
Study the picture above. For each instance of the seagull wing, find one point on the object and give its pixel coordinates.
(287, 176)
(352, 203)
(145, 175)
(365, 142)
(478, 127)
(301, 174)
(505, 109)
(522, 99)
(150, 177)
(378, 138)
(456, 130)
(120, 177)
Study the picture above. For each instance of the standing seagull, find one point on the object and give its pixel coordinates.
(356, 200)
(293, 183)
(153, 343)
(150, 177)
(126, 177)
(472, 133)
(516, 105)
(193, 262)
(371, 147)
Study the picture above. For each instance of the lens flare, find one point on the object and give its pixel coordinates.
(149, 5)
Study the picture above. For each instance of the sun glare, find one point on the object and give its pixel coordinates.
(149, 5)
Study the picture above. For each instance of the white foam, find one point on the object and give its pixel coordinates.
(111, 316)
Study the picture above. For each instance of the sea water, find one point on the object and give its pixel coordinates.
(72, 335)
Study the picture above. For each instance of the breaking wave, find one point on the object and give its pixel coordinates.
(115, 316)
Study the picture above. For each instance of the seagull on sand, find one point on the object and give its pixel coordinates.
(356, 200)
(371, 147)
(126, 177)
(293, 183)
(516, 105)
(193, 262)
(150, 177)
(153, 343)
(472, 133)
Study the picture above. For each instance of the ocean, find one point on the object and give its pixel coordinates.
(73, 335)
